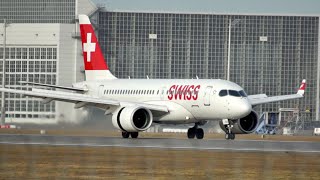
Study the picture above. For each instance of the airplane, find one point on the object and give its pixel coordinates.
(137, 103)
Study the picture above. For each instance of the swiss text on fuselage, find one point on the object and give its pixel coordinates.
(183, 92)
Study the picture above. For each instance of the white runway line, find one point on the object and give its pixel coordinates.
(164, 143)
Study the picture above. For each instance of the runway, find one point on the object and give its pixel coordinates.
(167, 143)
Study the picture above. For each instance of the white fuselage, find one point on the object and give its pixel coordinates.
(188, 101)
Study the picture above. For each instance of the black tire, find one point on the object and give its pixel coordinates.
(191, 133)
(233, 136)
(125, 134)
(134, 135)
(199, 133)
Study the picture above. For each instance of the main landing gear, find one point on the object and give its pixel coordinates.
(195, 132)
(134, 135)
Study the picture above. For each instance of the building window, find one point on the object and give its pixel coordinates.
(37, 53)
(43, 66)
(18, 66)
(43, 53)
(49, 66)
(54, 53)
(24, 53)
(36, 66)
(19, 53)
(31, 53)
(49, 53)
(12, 53)
(7, 53)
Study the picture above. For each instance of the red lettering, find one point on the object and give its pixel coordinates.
(170, 93)
(185, 92)
(196, 92)
(179, 91)
(190, 89)
(175, 92)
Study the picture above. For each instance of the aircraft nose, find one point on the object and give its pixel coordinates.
(239, 109)
(245, 108)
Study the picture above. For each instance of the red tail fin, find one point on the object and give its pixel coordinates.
(94, 62)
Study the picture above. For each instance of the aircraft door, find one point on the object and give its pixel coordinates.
(207, 95)
(100, 93)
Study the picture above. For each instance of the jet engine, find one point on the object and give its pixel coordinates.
(132, 119)
(243, 125)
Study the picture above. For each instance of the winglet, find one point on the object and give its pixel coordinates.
(302, 88)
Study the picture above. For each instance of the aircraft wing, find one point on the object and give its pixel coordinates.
(80, 100)
(55, 86)
(262, 98)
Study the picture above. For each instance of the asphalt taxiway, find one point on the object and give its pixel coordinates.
(168, 143)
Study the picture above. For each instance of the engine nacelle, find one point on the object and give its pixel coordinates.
(244, 125)
(132, 119)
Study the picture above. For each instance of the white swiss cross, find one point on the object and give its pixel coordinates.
(89, 47)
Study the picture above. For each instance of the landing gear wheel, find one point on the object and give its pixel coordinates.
(134, 135)
(199, 133)
(232, 136)
(191, 133)
(125, 134)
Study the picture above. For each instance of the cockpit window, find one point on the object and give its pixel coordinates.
(243, 94)
(234, 93)
(223, 92)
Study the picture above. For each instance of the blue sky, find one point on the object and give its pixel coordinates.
(299, 7)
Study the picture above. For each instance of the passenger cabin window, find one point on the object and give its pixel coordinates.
(223, 92)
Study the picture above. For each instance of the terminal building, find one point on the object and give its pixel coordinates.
(271, 49)
(42, 45)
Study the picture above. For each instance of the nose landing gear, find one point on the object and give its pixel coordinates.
(195, 132)
(230, 136)
(228, 126)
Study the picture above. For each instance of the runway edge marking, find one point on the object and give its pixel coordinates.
(162, 147)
